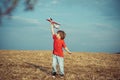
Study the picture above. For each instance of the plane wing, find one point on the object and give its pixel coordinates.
(52, 22)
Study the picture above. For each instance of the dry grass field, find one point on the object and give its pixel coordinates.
(36, 65)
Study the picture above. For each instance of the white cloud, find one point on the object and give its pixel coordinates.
(55, 2)
(18, 21)
(103, 25)
(29, 20)
(40, 4)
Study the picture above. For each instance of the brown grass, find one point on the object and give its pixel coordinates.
(36, 65)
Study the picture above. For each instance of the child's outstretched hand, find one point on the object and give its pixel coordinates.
(69, 52)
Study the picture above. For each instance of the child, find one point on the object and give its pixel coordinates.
(58, 44)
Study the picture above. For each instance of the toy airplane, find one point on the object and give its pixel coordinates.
(55, 24)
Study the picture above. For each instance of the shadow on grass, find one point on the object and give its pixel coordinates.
(41, 68)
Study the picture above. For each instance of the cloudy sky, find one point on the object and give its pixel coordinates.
(90, 25)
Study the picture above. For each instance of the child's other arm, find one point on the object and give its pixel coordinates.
(52, 29)
(66, 49)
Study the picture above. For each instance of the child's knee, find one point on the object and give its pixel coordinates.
(54, 64)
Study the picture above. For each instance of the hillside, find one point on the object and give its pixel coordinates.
(36, 65)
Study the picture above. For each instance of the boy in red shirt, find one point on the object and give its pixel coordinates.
(58, 56)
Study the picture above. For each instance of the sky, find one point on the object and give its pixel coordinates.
(90, 25)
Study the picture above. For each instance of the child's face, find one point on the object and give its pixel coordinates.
(58, 36)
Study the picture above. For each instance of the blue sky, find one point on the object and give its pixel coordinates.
(91, 26)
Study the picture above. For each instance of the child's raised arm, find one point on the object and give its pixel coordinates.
(52, 29)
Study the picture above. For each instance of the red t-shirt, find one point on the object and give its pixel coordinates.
(58, 45)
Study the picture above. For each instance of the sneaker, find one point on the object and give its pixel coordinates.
(61, 75)
(53, 74)
(53, 77)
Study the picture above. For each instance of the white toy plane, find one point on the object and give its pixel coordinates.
(55, 24)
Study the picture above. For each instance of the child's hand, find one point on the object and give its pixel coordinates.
(51, 24)
(70, 52)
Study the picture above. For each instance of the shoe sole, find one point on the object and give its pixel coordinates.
(53, 77)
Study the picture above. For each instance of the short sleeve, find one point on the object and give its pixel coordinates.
(63, 45)
(54, 36)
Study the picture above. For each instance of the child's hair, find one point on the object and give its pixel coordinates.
(62, 34)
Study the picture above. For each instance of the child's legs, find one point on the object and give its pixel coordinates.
(54, 63)
(61, 64)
